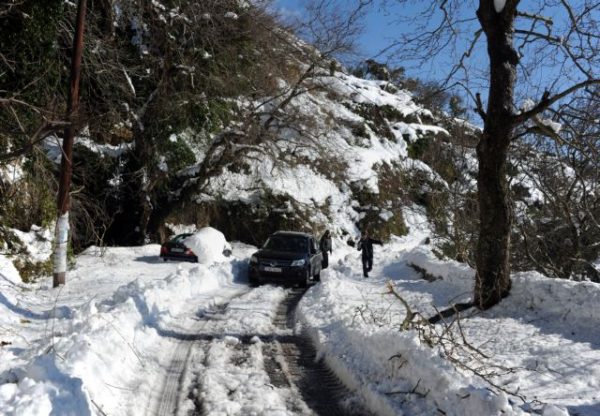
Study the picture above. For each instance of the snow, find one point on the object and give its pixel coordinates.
(11, 172)
(312, 186)
(208, 245)
(38, 242)
(527, 104)
(163, 166)
(100, 337)
(499, 5)
(105, 343)
(9, 272)
(553, 125)
(370, 92)
(181, 228)
(102, 343)
(347, 162)
(52, 146)
(512, 334)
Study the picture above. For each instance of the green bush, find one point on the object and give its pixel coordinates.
(30, 271)
(417, 148)
(35, 201)
(389, 200)
(178, 155)
(28, 39)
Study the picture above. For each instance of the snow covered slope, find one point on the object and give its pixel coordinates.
(335, 151)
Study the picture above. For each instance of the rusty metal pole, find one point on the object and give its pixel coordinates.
(66, 166)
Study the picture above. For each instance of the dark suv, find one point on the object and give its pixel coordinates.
(287, 257)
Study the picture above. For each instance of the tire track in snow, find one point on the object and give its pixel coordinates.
(170, 397)
(290, 360)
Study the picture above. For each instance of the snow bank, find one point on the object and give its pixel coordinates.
(381, 363)
(451, 271)
(8, 270)
(111, 342)
(545, 332)
(577, 302)
(563, 299)
(44, 390)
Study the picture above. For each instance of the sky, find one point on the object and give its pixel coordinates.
(381, 29)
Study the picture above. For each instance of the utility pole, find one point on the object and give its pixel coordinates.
(66, 165)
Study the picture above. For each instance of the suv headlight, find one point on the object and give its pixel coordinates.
(253, 259)
(300, 262)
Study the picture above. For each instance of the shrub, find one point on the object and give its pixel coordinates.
(30, 271)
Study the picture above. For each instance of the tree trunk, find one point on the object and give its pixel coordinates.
(492, 281)
(64, 199)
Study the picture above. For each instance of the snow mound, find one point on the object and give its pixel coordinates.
(208, 244)
(38, 241)
(577, 302)
(45, 390)
(8, 270)
(451, 271)
(562, 299)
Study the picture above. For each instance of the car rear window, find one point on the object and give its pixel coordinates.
(291, 244)
(179, 238)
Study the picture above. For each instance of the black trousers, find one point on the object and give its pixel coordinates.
(367, 265)
(325, 262)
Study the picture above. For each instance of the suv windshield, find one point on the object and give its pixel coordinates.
(288, 243)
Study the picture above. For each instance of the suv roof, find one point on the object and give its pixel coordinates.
(293, 233)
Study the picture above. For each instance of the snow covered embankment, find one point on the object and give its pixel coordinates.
(356, 326)
(92, 343)
(557, 298)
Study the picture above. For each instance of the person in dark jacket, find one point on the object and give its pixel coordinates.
(365, 244)
(326, 247)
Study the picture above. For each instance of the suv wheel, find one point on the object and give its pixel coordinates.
(253, 280)
(307, 279)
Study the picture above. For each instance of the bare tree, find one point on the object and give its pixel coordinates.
(294, 68)
(519, 41)
(560, 234)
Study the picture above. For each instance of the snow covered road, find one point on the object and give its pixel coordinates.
(181, 338)
(252, 369)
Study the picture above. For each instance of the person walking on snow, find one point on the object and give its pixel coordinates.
(326, 247)
(365, 244)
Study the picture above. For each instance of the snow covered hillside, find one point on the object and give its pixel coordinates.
(336, 159)
(131, 335)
